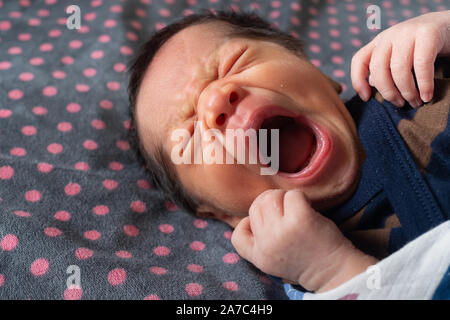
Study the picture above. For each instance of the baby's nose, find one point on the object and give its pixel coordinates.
(220, 105)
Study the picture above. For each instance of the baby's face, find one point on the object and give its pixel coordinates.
(195, 77)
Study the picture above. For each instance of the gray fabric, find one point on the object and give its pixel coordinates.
(66, 172)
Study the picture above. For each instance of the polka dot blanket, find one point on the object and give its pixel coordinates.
(78, 217)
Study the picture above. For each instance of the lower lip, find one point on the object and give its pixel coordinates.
(320, 157)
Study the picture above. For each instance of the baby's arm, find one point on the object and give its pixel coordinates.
(285, 237)
(392, 55)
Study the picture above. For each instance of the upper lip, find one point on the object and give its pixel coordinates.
(257, 117)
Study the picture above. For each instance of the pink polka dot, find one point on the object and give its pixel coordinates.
(21, 213)
(62, 215)
(54, 33)
(195, 268)
(197, 245)
(18, 152)
(90, 16)
(335, 46)
(4, 65)
(200, 223)
(49, 91)
(124, 254)
(82, 166)
(81, 87)
(117, 276)
(106, 104)
(39, 111)
(98, 124)
(73, 293)
(36, 61)
(6, 172)
(119, 67)
(5, 113)
(89, 72)
(127, 124)
(231, 285)
(83, 29)
(54, 148)
(15, 50)
(166, 228)
(110, 23)
(52, 232)
(90, 145)
(113, 85)
(194, 289)
(110, 184)
(73, 107)
(161, 251)
(130, 230)
(72, 189)
(126, 50)
(29, 130)
(171, 206)
(44, 167)
(144, 184)
(158, 270)
(152, 297)
(339, 73)
(39, 267)
(227, 234)
(138, 206)
(104, 38)
(230, 258)
(33, 196)
(116, 166)
(100, 210)
(2, 280)
(83, 253)
(26, 76)
(164, 13)
(92, 235)
(64, 126)
(123, 145)
(115, 8)
(97, 54)
(46, 47)
(58, 74)
(9, 242)
(67, 60)
(15, 94)
(5, 25)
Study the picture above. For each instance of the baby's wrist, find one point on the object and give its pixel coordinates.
(356, 263)
(344, 264)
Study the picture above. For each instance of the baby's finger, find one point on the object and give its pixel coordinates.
(242, 238)
(401, 66)
(380, 74)
(296, 206)
(359, 71)
(424, 57)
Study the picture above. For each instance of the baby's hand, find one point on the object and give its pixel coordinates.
(285, 237)
(392, 54)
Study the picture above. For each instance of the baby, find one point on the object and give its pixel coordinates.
(230, 71)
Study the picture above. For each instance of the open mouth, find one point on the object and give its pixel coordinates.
(304, 147)
(297, 142)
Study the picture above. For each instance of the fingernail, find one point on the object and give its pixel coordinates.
(426, 97)
(364, 96)
(416, 103)
(399, 102)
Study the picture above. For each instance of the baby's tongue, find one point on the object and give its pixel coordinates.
(296, 145)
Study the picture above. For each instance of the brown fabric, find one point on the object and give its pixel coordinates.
(418, 134)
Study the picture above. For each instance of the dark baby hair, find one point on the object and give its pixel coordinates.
(246, 25)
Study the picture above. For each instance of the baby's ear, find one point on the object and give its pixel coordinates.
(337, 86)
(204, 211)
